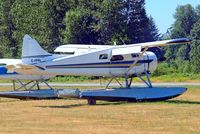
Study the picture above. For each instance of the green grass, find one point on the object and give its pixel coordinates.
(173, 77)
(177, 77)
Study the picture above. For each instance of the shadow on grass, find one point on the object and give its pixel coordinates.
(151, 102)
(65, 106)
(182, 102)
(106, 103)
(79, 105)
(102, 103)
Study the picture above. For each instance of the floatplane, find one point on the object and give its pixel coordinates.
(115, 61)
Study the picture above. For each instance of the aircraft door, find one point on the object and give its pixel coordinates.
(116, 65)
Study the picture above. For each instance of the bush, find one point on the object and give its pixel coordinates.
(164, 69)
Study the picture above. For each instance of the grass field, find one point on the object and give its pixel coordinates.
(180, 115)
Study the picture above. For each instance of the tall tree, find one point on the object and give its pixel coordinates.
(185, 18)
(9, 47)
(40, 19)
(56, 12)
(152, 32)
(80, 22)
(120, 21)
(137, 20)
(97, 22)
(112, 22)
(79, 26)
(198, 11)
(31, 17)
(195, 50)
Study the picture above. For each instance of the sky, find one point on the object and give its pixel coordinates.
(163, 10)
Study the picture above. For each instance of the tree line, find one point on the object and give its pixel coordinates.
(54, 23)
(185, 58)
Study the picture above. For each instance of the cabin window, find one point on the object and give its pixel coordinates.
(135, 55)
(103, 56)
(117, 58)
(64, 53)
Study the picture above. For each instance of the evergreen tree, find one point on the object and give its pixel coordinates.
(9, 47)
(152, 31)
(195, 49)
(31, 17)
(152, 34)
(185, 18)
(88, 22)
(79, 26)
(108, 21)
(96, 22)
(198, 11)
(41, 19)
(137, 21)
(56, 12)
(112, 22)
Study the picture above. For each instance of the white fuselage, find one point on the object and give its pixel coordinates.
(97, 63)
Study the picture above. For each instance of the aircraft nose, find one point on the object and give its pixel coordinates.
(3, 70)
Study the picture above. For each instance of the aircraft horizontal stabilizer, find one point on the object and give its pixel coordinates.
(26, 69)
(10, 67)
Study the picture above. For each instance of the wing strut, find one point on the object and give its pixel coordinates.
(148, 81)
(134, 63)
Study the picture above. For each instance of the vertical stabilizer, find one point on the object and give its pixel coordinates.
(31, 50)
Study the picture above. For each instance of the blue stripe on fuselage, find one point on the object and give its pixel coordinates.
(37, 56)
(113, 64)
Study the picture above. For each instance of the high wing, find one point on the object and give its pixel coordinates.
(159, 43)
(141, 48)
(119, 49)
(78, 48)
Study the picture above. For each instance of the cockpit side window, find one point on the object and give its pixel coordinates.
(103, 56)
(135, 55)
(117, 58)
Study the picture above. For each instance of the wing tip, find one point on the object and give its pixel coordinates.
(180, 41)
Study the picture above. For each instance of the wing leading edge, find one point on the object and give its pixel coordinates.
(161, 43)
